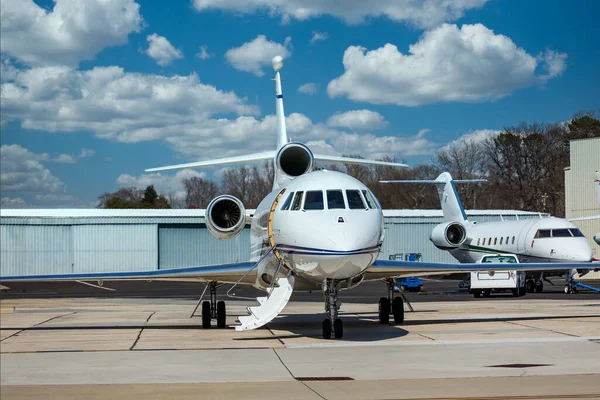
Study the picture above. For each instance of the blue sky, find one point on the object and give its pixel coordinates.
(95, 92)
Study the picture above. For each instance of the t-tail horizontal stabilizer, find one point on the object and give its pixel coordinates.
(451, 205)
(267, 155)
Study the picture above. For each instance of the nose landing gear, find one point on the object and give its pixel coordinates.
(332, 325)
(212, 309)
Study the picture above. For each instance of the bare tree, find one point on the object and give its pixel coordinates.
(199, 192)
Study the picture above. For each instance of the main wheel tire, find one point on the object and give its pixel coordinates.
(530, 285)
(384, 311)
(327, 328)
(487, 293)
(338, 328)
(221, 315)
(522, 291)
(398, 307)
(206, 317)
(539, 286)
(515, 292)
(476, 294)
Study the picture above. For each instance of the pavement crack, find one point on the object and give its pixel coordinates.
(426, 337)
(278, 338)
(38, 324)
(292, 375)
(541, 329)
(141, 330)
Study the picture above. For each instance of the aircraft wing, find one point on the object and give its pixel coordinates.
(350, 160)
(225, 273)
(387, 269)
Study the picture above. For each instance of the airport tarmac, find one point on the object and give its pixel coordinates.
(122, 348)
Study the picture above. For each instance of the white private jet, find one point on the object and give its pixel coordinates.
(317, 230)
(551, 240)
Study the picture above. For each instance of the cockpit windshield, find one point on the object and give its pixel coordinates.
(313, 200)
(576, 232)
(335, 200)
(543, 233)
(355, 201)
(561, 233)
(370, 200)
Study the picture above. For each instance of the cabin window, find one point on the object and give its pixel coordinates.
(369, 198)
(335, 199)
(489, 241)
(313, 200)
(478, 239)
(561, 233)
(288, 201)
(513, 241)
(297, 201)
(576, 232)
(355, 201)
(507, 239)
(501, 241)
(495, 241)
(543, 233)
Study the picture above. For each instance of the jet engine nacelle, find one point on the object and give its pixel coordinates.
(294, 159)
(225, 217)
(448, 235)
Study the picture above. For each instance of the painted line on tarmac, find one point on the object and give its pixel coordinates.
(444, 342)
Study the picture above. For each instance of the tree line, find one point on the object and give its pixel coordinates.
(524, 166)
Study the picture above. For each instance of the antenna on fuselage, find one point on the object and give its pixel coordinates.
(282, 137)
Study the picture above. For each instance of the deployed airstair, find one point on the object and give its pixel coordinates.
(269, 306)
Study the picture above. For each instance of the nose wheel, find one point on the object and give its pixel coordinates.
(213, 309)
(332, 326)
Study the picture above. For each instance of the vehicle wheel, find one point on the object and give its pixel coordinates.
(515, 292)
(539, 286)
(476, 294)
(384, 310)
(327, 328)
(398, 307)
(522, 291)
(206, 314)
(567, 289)
(221, 315)
(487, 293)
(338, 328)
(530, 285)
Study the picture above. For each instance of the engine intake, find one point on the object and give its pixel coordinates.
(225, 217)
(448, 235)
(295, 159)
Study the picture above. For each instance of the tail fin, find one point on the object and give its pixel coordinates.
(451, 205)
(282, 138)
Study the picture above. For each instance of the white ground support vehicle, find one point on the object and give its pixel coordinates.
(499, 281)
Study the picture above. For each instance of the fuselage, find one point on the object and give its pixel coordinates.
(535, 240)
(323, 225)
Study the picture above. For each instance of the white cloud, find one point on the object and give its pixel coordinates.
(64, 158)
(318, 37)
(23, 172)
(446, 64)
(54, 198)
(476, 136)
(422, 13)
(163, 184)
(86, 153)
(253, 56)
(308, 88)
(553, 62)
(73, 31)
(358, 120)
(113, 104)
(161, 50)
(203, 53)
(12, 202)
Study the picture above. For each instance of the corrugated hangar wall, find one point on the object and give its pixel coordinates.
(102, 240)
(581, 199)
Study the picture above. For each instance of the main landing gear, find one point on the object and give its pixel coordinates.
(391, 306)
(534, 285)
(332, 325)
(213, 309)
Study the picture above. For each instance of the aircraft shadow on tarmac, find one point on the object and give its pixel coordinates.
(356, 328)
